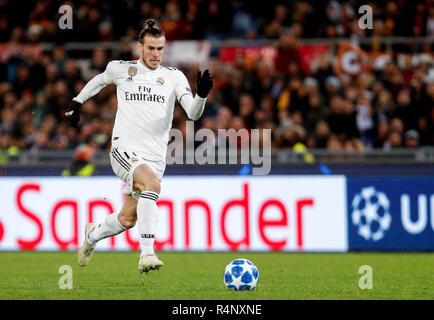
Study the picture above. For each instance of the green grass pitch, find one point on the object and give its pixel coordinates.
(199, 276)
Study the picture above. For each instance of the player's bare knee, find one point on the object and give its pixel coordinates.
(127, 221)
(154, 186)
(140, 186)
(145, 179)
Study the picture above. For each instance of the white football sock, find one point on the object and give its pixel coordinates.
(147, 218)
(110, 227)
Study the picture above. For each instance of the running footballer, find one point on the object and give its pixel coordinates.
(146, 94)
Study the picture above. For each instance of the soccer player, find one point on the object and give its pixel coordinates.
(146, 93)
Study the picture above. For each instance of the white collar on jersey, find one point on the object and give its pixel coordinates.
(142, 65)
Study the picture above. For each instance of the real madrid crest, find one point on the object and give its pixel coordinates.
(132, 71)
(160, 80)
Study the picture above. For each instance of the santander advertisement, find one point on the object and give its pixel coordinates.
(297, 213)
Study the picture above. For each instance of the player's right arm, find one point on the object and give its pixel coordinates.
(94, 86)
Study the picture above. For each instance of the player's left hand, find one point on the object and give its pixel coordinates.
(204, 83)
(73, 113)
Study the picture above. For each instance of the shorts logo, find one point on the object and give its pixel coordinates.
(132, 71)
(160, 80)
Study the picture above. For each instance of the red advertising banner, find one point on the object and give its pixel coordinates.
(229, 54)
(205, 214)
(307, 54)
(351, 59)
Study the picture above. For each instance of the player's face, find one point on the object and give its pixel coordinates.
(152, 51)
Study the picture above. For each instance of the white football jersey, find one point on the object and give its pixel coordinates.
(146, 100)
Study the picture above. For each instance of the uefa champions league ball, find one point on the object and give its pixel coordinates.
(241, 274)
(370, 214)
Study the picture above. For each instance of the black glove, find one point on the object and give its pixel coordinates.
(73, 113)
(204, 83)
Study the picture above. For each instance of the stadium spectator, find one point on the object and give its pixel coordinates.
(411, 138)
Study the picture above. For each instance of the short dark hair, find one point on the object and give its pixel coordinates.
(150, 28)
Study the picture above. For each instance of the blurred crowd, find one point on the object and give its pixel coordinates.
(107, 20)
(387, 108)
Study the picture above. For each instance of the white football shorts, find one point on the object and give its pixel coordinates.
(124, 163)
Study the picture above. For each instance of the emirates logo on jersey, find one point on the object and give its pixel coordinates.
(150, 97)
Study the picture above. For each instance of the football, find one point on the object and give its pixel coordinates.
(241, 274)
